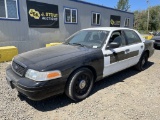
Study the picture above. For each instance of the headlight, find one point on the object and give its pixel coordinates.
(42, 76)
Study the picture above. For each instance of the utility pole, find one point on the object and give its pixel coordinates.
(148, 16)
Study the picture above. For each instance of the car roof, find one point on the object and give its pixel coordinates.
(108, 28)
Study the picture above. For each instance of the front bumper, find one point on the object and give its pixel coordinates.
(32, 89)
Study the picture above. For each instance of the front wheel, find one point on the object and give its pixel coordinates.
(80, 84)
(141, 65)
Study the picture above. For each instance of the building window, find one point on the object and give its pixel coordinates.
(96, 18)
(126, 23)
(9, 9)
(70, 15)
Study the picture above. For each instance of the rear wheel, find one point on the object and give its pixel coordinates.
(141, 65)
(80, 84)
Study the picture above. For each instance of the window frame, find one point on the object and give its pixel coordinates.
(71, 9)
(96, 18)
(128, 22)
(6, 11)
(121, 34)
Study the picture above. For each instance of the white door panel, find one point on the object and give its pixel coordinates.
(136, 47)
(135, 44)
(125, 56)
(114, 67)
(114, 60)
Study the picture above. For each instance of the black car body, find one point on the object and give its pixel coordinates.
(65, 58)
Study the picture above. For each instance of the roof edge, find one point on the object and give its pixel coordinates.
(93, 4)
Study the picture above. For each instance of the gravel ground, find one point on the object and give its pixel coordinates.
(127, 95)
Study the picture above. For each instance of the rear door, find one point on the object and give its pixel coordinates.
(135, 46)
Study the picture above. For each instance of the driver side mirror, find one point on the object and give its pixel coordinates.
(113, 45)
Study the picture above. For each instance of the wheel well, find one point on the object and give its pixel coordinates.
(93, 71)
(89, 67)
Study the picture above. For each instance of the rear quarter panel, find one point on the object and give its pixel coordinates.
(149, 46)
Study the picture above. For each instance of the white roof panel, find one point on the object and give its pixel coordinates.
(108, 28)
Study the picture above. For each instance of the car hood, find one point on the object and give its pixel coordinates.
(41, 58)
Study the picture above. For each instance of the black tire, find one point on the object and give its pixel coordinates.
(80, 84)
(141, 65)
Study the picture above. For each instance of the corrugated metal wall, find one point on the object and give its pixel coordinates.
(19, 34)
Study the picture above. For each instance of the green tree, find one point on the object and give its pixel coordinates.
(123, 5)
(140, 19)
(154, 22)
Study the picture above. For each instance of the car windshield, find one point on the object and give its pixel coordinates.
(89, 38)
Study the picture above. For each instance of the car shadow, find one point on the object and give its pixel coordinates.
(60, 101)
(118, 77)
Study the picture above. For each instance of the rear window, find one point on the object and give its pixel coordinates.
(132, 37)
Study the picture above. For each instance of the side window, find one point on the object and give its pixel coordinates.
(118, 37)
(132, 37)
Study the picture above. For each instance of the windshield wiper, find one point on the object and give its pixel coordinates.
(76, 44)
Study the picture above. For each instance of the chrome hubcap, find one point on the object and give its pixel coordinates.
(82, 84)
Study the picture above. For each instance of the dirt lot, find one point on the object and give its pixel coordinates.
(127, 95)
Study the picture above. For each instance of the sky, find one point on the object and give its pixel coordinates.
(135, 4)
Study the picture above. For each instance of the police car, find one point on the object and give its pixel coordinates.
(74, 67)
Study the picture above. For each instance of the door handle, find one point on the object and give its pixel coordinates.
(127, 50)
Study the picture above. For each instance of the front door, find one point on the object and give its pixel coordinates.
(115, 59)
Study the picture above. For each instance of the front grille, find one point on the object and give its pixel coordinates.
(19, 69)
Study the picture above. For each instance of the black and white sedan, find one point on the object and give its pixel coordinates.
(73, 67)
